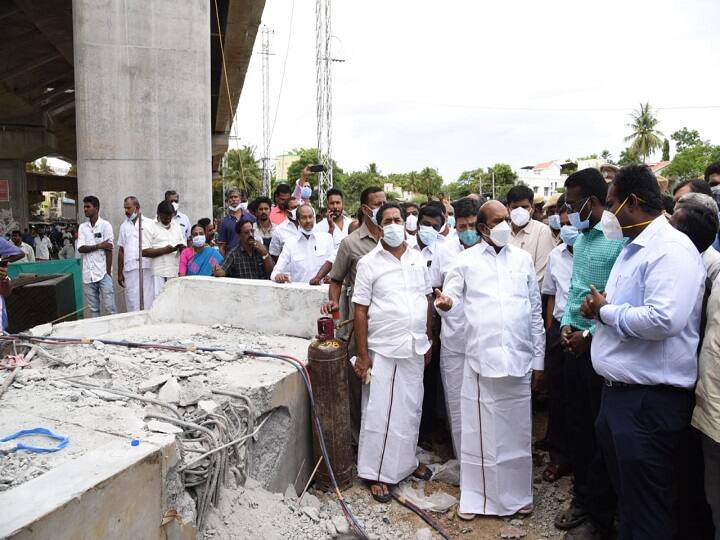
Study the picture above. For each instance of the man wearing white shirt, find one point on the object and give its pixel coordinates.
(645, 348)
(181, 219)
(556, 283)
(28, 251)
(392, 312)
(43, 245)
(162, 242)
(336, 223)
(285, 231)
(95, 245)
(430, 222)
(128, 259)
(303, 256)
(505, 341)
(452, 329)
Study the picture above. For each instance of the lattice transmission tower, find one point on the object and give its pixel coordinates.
(265, 52)
(323, 81)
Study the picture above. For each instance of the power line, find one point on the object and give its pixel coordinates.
(282, 77)
(556, 109)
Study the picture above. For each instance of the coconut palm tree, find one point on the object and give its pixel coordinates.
(645, 139)
(241, 169)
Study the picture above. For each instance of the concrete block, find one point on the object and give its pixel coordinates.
(112, 492)
(287, 309)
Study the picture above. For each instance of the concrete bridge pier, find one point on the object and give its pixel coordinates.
(142, 98)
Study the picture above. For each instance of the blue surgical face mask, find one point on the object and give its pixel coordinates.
(451, 221)
(393, 234)
(554, 222)
(427, 235)
(576, 221)
(569, 234)
(306, 192)
(468, 238)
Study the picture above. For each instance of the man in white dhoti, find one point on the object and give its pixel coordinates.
(505, 340)
(129, 259)
(392, 313)
(452, 330)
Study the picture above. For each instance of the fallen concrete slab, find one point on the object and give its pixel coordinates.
(233, 315)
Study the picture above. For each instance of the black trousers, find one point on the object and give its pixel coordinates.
(639, 430)
(556, 434)
(593, 490)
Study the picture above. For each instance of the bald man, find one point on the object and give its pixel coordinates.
(505, 341)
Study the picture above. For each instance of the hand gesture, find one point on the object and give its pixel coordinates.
(329, 308)
(260, 248)
(331, 223)
(282, 278)
(442, 302)
(315, 281)
(590, 307)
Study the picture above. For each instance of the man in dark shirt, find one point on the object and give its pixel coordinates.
(249, 259)
(227, 237)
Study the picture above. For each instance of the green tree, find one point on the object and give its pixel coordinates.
(505, 178)
(355, 182)
(589, 156)
(690, 163)
(429, 182)
(628, 157)
(645, 138)
(606, 156)
(308, 156)
(241, 169)
(685, 138)
(666, 150)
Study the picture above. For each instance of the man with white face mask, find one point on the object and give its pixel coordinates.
(162, 242)
(129, 259)
(505, 341)
(430, 222)
(181, 219)
(452, 330)
(531, 235)
(237, 204)
(392, 328)
(303, 256)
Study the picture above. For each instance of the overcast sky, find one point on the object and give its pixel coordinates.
(461, 84)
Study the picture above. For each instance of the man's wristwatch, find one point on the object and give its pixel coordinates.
(265, 256)
(585, 334)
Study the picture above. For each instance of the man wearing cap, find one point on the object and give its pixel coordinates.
(552, 216)
(608, 170)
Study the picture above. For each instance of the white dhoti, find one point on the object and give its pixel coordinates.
(496, 460)
(391, 419)
(452, 366)
(132, 289)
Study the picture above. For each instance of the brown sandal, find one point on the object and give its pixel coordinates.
(383, 497)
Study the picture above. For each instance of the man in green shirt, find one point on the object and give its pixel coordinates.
(592, 508)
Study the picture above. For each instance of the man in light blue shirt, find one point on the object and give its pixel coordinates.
(645, 349)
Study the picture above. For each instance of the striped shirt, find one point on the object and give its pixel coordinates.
(593, 258)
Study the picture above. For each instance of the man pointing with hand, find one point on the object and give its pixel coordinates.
(505, 341)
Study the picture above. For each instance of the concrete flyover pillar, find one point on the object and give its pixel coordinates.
(142, 87)
(14, 209)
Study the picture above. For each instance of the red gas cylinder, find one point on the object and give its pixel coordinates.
(327, 358)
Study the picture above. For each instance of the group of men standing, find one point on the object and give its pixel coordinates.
(623, 290)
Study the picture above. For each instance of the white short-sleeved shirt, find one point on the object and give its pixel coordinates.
(184, 222)
(156, 235)
(558, 274)
(302, 257)
(42, 247)
(338, 233)
(396, 292)
(94, 263)
(128, 240)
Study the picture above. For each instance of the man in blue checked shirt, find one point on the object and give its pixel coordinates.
(645, 350)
